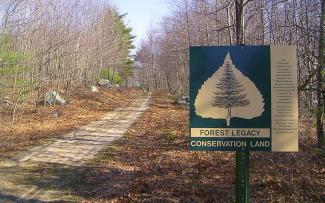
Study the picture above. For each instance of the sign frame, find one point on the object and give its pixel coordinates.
(252, 65)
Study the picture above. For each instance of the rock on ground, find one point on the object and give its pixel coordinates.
(104, 82)
(53, 97)
(94, 89)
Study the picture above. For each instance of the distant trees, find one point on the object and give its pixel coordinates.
(116, 37)
(61, 44)
(164, 54)
(68, 41)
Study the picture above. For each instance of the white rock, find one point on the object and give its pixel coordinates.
(104, 82)
(94, 89)
(52, 97)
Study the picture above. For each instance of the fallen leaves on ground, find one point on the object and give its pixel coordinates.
(153, 164)
(83, 107)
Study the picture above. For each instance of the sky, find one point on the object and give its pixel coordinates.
(141, 15)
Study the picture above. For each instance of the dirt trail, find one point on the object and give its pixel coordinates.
(50, 172)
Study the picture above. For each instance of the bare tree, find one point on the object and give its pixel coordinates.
(64, 44)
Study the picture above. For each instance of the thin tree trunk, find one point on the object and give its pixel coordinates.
(187, 24)
(229, 23)
(108, 69)
(239, 4)
(320, 106)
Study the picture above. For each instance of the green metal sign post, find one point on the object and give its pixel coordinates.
(242, 177)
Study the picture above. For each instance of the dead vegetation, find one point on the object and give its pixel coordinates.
(153, 164)
(49, 121)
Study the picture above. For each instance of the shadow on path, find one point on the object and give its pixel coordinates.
(53, 172)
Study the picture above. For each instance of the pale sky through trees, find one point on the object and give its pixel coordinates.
(142, 15)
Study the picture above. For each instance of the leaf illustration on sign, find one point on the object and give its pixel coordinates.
(227, 94)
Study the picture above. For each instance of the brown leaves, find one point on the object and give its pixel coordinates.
(166, 171)
(82, 108)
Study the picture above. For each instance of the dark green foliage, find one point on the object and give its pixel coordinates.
(125, 45)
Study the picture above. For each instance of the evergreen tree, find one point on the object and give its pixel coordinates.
(14, 87)
(124, 39)
(229, 92)
(127, 44)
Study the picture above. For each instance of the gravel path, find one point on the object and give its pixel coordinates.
(49, 173)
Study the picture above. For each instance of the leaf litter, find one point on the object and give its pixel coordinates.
(152, 163)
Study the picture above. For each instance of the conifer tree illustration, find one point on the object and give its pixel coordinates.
(229, 92)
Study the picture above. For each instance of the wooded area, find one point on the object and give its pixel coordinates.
(64, 44)
(59, 45)
(164, 55)
(68, 47)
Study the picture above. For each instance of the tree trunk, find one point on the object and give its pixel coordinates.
(108, 70)
(113, 75)
(229, 23)
(239, 5)
(320, 106)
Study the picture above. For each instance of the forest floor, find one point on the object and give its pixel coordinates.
(33, 127)
(50, 171)
(152, 161)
